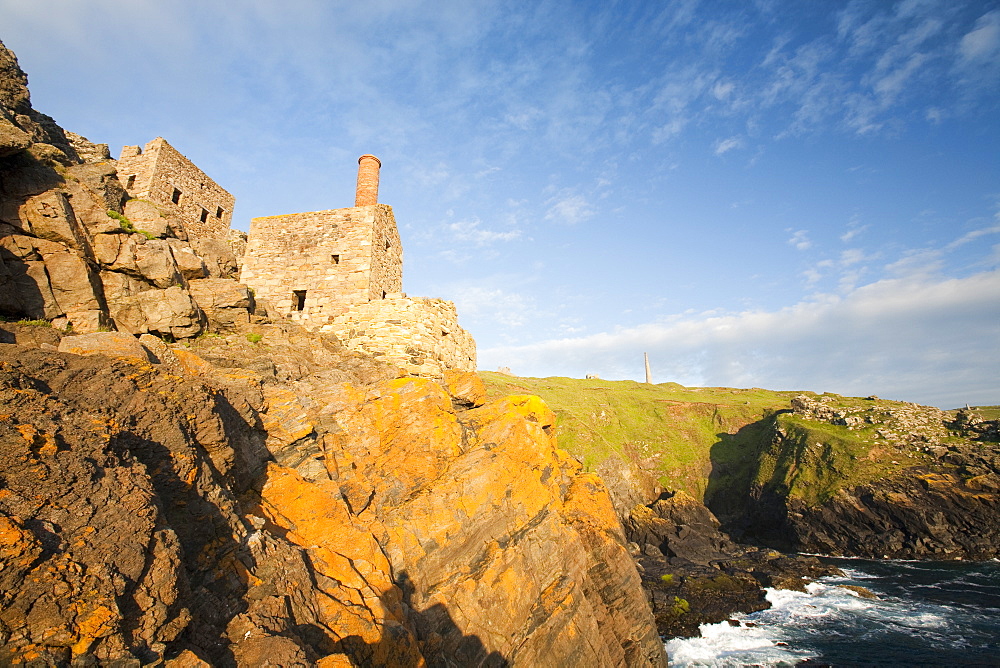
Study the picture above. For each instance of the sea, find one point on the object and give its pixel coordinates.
(925, 614)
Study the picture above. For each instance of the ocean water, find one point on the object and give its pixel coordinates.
(926, 614)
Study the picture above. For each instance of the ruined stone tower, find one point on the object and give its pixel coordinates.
(159, 173)
(341, 271)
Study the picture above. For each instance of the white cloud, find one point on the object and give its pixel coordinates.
(569, 208)
(800, 239)
(983, 41)
(974, 234)
(725, 145)
(918, 338)
(470, 231)
(722, 89)
(854, 228)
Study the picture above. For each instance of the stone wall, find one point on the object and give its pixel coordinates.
(160, 174)
(420, 335)
(315, 266)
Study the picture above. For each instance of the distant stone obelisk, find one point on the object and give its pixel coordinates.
(649, 376)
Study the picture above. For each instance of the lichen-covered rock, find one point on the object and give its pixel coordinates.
(118, 496)
(465, 387)
(545, 547)
(114, 344)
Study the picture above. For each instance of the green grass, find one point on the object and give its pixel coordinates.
(718, 443)
(669, 428)
(987, 412)
(254, 337)
(127, 225)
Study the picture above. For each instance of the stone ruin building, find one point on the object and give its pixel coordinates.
(159, 173)
(340, 271)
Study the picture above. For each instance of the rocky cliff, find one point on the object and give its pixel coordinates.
(799, 472)
(865, 477)
(299, 510)
(78, 251)
(203, 486)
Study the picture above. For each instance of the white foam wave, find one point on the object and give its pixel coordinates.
(772, 637)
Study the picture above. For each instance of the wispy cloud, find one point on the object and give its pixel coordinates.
(800, 240)
(974, 234)
(471, 231)
(854, 228)
(726, 145)
(982, 43)
(569, 208)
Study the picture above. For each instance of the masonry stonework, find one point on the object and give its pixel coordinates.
(314, 266)
(340, 271)
(160, 174)
(420, 335)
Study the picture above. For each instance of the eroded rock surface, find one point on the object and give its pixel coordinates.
(143, 516)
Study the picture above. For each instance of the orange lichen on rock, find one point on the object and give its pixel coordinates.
(285, 419)
(358, 597)
(466, 387)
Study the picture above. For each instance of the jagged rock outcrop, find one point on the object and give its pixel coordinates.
(695, 574)
(897, 480)
(75, 249)
(144, 514)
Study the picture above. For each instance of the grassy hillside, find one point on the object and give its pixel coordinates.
(715, 443)
(670, 431)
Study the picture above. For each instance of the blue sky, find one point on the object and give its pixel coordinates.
(791, 195)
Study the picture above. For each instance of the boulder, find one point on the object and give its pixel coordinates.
(94, 189)
(88, 151)
(226, 303)
(465, 387)
(149, 218)
(49, 216)
(155, 262)
(46, 279)
(115, 249)
(170, 312)
(218, 256)
(189, 264)
(113, 344)
(12, 138)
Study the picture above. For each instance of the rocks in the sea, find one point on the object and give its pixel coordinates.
(862, 592)
(694, 574)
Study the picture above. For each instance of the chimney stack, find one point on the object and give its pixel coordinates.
(367, 192)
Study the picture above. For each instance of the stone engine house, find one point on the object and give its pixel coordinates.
(341, 270)
(161, 174)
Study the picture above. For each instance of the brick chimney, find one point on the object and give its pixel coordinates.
(367, 192)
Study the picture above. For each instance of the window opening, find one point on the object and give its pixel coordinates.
(384, 294)
(204, 215)
(131, 181)
(387, 244)
(299, 299)
(218, 212)
(335, 259)
(176, 197)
